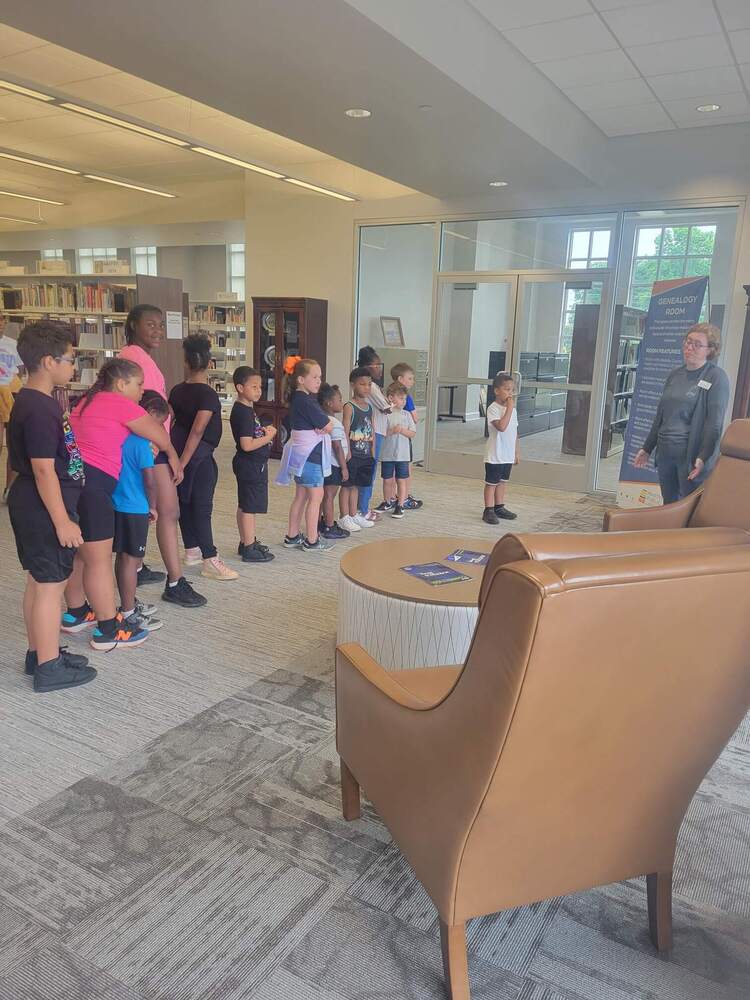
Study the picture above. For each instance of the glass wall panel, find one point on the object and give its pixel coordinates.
(528, 244)
(476, 328)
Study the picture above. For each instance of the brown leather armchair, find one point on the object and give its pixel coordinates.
(564, 753)
(722, 500)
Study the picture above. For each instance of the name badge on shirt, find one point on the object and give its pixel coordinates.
(704, 385)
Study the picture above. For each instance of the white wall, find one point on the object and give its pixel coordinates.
(203, 269)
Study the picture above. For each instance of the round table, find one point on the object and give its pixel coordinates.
(402, 621)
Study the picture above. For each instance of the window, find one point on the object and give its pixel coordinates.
(237, 269)
(587, 249)
(87, 256)
(664, 252)
(52, 254)
(144, 260)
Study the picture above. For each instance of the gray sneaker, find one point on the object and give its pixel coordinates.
(142, 623)
(146, 610)
(321, 545)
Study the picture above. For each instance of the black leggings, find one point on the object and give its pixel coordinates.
(195, 513)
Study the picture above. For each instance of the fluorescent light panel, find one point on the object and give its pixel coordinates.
(38, 163)
(320, 190)
(29, 197)
(29, 222)
(16, 88)
(125, 184)
(235, 162)
(122, 123)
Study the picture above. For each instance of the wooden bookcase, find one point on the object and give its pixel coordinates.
(282, 328)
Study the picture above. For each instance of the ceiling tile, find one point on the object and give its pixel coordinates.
(744, 69)
(685, 110)
(52, 66)
(115, 89)
(663, 21)
(17, 41)
(617, 94)
(740, 42)
(680, 55)
(520, 13)
(734, 13)
(613, 4)
(596, 67)
(22, 108)
(574, 36)
(694, 83)
(629, 121)
(715, 120)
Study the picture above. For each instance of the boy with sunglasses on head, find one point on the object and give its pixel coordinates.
(43, 501)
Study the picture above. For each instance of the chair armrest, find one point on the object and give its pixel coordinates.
(671, 515)
(354, 655)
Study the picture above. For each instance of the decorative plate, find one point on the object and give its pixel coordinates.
(268, 321)
(269, 355)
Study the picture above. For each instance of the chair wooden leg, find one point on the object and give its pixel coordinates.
(659, 892)
(455, 961)
(350, 801)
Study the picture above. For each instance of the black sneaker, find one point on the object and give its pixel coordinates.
(398, 511)
(146, 575)
(183, 594)
(74, 660)
(489, 516)
(411, 503)
(57, 674)
(385, 506)
(295, 542)
(502, 511)
(256, 553)
(240, 548)
(334, 531)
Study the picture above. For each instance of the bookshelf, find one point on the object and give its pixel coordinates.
(224, 323)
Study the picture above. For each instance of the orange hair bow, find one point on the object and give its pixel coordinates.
(291, 363)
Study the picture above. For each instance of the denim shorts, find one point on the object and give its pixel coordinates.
(395, 470)
(312, 475)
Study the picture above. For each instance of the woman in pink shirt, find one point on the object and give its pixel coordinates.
(101, 422)
(144, 330)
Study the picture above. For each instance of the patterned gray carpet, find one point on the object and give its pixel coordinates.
(173, 832)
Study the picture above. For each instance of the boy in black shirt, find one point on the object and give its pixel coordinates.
(43, 501)
(250, 463)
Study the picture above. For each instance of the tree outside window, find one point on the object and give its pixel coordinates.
(666, 252)
(587, 249)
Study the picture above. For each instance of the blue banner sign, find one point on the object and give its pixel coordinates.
(675, 306)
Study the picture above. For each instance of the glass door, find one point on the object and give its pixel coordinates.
(547, 326)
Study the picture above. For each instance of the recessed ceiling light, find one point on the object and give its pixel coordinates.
(122, 123)
(29, 222)
(37, 163)
(358, 113)
(29, 197)
(319, 190)
(125, 184)
(237, 163)
(706, 108)
(24, 91)
(498, 184)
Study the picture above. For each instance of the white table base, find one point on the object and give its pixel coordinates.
(402, 634)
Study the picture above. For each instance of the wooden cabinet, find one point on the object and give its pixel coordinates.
(284, 328)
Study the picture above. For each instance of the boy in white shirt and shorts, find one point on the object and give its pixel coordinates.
(501, 450)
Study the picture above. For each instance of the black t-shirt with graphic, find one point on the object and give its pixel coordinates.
(38, 428)
(244, 423)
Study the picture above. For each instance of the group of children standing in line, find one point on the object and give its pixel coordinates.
(91, 483)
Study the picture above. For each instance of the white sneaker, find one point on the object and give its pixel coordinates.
(363, 521)
(348, 522)
(193, 557)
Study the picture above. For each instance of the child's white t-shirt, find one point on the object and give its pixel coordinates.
(9, 360)
(338, 434)
(501, 445)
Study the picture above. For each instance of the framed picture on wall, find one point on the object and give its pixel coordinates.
(393, 335)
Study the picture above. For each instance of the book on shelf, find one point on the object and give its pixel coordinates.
(229, 315)
(71, 296)
(56, 265)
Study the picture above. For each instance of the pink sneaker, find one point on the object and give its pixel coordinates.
(217, 569)
(372, 515)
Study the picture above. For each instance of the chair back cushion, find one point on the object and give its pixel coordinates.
(724, 500)
(632, 680)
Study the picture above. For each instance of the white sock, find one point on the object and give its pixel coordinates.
(127, 614)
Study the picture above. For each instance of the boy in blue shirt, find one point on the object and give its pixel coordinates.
(134, 500)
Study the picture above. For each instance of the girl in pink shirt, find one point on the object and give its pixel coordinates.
(104, 418)
(144, 331)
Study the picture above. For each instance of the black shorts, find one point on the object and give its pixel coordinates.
(39, 551)
(360, 471)
(496, 474)
(95, 511)
(161, 458)
(131, 534)
(252, 485)
(335, 477)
